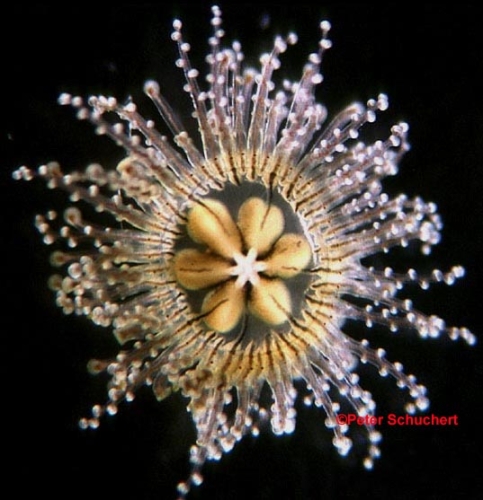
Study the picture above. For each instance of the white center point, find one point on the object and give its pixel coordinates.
(247, 268)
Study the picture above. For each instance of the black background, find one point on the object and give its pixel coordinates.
(427, 58)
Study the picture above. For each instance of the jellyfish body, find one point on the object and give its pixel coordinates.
(234, 265)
